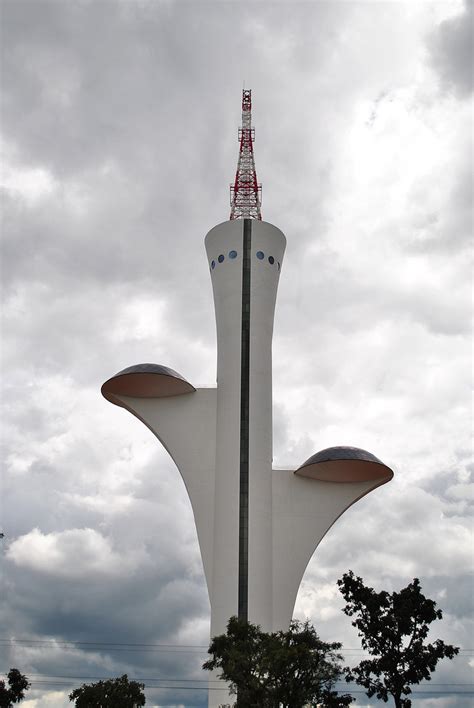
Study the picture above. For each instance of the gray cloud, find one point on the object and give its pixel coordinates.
(450, 47)
(120, 125)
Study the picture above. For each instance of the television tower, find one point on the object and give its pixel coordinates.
(257, 526)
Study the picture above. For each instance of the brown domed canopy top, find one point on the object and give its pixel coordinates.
(145, 381)
(345, 464)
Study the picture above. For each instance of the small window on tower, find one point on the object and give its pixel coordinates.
(260, 255)
(271, 260)
(213, 264)
(232, 254)
(220, 258)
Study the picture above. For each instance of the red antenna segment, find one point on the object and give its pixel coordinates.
(246, 193)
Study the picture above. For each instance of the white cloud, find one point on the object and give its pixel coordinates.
(48, 699)
(461, 491)
(31, 184)
(75, 553)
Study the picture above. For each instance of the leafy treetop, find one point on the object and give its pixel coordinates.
(112, 693)
(18, 684)
(281, 668)
(393, 628)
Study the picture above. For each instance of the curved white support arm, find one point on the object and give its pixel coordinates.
(303, 510)
(186, 427)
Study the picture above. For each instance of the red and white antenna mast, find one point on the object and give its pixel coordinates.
(246, 193)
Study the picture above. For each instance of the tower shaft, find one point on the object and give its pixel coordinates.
(245, 258)
(246, 193)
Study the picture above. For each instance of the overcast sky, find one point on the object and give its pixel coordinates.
(119, 134)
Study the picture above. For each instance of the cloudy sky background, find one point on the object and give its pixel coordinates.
(119, 137)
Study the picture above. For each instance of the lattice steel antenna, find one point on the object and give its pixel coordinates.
(246, 193)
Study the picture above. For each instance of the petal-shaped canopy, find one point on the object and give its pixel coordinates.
(145, 381)
(345, 464)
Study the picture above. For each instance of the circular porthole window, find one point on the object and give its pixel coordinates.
(260, 255)
(213, 264)
(271, 260)
(220, 258)
(232, 254)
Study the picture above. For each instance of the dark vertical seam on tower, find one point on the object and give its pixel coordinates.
(244, 425)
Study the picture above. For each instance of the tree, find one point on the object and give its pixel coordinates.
(113, 693)
(18, 685)
(282, 668)
(393, 628)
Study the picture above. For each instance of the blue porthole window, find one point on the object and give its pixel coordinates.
(213, 264)
(271, 260)
(260, 255)
(232, 254)
(220, 258)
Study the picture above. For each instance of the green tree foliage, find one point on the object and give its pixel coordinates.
(113, 693)
(18, 684)
(393, 628)
(291, 668)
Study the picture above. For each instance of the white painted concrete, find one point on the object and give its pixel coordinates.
(288, 514)
(227, 288)
(303, 511)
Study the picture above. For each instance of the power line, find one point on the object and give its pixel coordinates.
(64, 642)
(211, 688)
(140, 679)
(92, 646)
(157, 688)
(194, 680)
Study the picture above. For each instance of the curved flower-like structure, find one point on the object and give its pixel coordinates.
(257, 526)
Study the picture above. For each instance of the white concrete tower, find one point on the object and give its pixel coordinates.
(257, 527)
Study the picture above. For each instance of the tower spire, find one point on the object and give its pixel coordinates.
(246, 193)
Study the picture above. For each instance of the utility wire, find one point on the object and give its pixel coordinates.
(194, 680)
(210, 688)
(65, 642)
